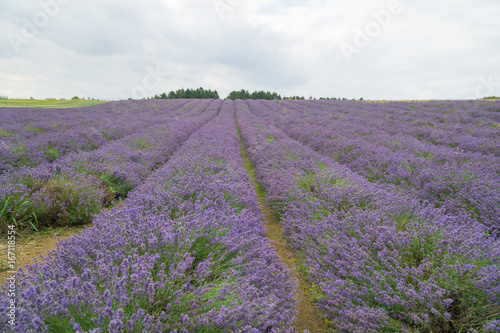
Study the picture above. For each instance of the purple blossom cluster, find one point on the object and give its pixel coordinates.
(71, 189)
(185, 252)
(29, 137)
(383, 143)
(378, 259)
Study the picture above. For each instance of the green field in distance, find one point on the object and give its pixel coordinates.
(48, 103)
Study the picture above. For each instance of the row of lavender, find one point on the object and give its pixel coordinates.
(466, 125)
(461, 182)
(26, 123)
(378, 260)
(185, 252)
(78, 185)
(432, 128)
(29, 137)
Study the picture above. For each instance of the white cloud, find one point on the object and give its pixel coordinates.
(102, 49)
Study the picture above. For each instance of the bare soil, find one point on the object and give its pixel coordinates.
(309, 316)
(29, 247)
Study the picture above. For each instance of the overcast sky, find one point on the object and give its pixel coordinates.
(116, 49)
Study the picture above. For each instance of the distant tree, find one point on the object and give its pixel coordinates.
(198, 93)
(244, 94)
(213, 94)
(76, 97)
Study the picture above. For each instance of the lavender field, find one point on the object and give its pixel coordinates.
(392, 211)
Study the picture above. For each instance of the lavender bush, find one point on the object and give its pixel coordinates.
(461, 182)
(51, 193)
(29, 137)
(378, 260)
(392, 208)
(185, 252)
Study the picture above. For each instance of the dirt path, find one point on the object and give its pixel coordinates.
(309, 316)
(32, 246)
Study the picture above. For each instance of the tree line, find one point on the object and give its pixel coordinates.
(244, 94)
(201, 93)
